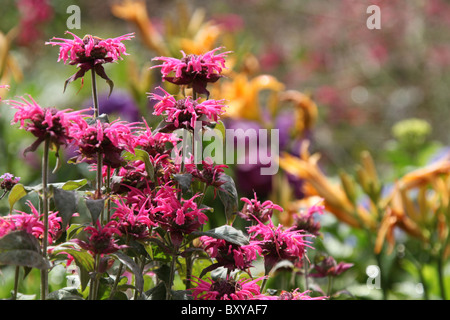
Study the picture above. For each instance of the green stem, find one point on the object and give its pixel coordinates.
(305, 266)
(93, 289)
(263, 284)
(99, 155)
(189, 262)
(108, 188)
(330, 286)
(94, 95)
(116, 282)
(16, 282)
(441, 278)
(44, 272)
(382, 276)
(171, 277)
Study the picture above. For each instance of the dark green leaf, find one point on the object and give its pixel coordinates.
(229, 197)
(157, 293)
(23, 257)
(82, 257)
(184, 181)
(225, 232)
(65, 294)
(95, 207)
(66, 203)
(19, 240)
(126, 260)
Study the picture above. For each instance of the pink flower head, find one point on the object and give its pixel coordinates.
(226, 289)
(327, 266)
(31, 223)
(255, 210)
(109, 139)
(155, 143)
(132, 220)
(177, 216)
(90, 53)
(209, 172)
(305, 220)
(45, 123)
(8, 181)
(101, 239)
(278, 243)
(185, 112)
(193, 70)
(34, 13)
(229, 255)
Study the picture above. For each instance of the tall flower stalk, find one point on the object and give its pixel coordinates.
(44, 272)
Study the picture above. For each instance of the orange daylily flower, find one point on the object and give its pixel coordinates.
(306, 111)
(242, 95)
(135, 11)
(335, 199)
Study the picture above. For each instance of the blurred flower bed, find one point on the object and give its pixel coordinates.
(362, 118)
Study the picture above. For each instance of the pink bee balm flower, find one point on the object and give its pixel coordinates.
(132, 220)
(90, 53)
(101, 239)
(278, 243)
(45, 123)
(327, 266)
(177, 216)
(31, 223)
(255, 210)
(110, 139)
(209, 172)
(185, 112)
(305, 220)
(155, 143)
(226, 289)
(229, 255)
(193, 70)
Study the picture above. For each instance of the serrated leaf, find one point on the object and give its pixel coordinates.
(65, 294)
(19, 240)
(82, 257)
(22, 257)
(16, 193)
(66, 203)
(229, 197)
(95, 207)
(83, 260)
(225, 232)
(184, 181)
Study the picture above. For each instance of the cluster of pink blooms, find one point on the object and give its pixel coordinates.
(146, 199)
(45, 123)
(193, 70)
(90, 53)
(31, 223)
(185, 112)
